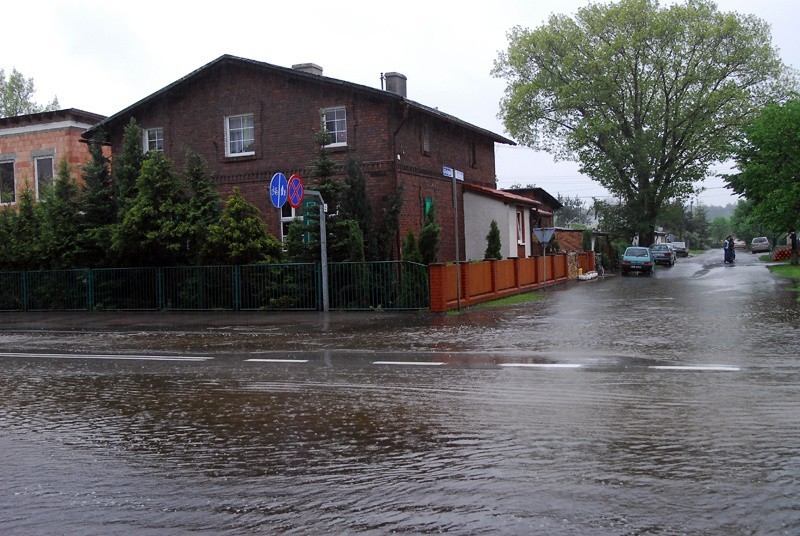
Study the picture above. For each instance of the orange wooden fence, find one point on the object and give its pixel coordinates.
(489, 280)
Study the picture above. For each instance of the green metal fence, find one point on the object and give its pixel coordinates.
(378, 285)
(57, 290)
(126, 289)
(12, 291)
(277, 287)
(268, 287)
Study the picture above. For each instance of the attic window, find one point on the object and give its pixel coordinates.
(425, 139)
(239, 135)
(335, 122)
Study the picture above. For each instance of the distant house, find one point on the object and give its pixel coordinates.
(32, 145)
(250, 120)
(512, 213)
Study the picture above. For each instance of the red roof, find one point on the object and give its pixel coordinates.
(500, 195)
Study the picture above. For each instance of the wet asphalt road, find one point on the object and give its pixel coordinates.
(623, 405)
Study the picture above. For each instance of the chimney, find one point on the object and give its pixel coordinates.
(396, 83)
(310, 68)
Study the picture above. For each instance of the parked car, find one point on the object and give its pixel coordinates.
(637, 259)
(738, 243)
(680, 248)
(663, 254)
(760, 244)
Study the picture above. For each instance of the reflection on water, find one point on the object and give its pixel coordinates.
(343, 446)
(608, 445)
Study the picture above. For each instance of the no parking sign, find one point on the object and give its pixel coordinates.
(295, 191)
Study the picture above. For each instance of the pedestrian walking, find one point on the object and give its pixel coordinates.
(729, 252)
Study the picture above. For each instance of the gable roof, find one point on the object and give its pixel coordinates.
(294, 73)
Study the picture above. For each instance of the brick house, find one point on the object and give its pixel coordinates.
(250, 120)
(31, 146)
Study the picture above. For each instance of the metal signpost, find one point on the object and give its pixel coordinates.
(455, 175)
(543, 235)
(279, 191)
(323, 247)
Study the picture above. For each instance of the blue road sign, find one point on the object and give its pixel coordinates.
(278, 189)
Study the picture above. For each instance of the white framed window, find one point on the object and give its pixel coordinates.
(335, 122)
(8, 185)
(520, 228)
(288, 215)
(43, 167)
(240, 135)
(153, 139)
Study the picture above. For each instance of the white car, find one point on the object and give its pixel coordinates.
(679, 248)
(760, 244)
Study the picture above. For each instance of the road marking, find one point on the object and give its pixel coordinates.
(713, 368)
(541, 365)
(410, 363)
(260, 360)
(111, 357)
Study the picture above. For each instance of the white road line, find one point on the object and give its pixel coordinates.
(540, 365)
(259, 360)
(111, 357)
(712, 368)
(409, 363)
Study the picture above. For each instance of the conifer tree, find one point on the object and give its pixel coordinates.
(60, 220)
(240, 236)
(96, 208)
(410, 249)
(26, 249)
(493, 246)
(430, 237)
(127, 166)
(204, 205)
(390, 226)
(344, 237)
(355, 205)
(154, 231)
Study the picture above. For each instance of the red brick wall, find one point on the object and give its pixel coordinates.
(65, 141)
(384, 133)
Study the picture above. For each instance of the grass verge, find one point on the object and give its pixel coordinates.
(787, 270)
(516, 299)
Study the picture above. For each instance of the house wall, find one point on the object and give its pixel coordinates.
(23, 142)
(479, 211)
(385, 134)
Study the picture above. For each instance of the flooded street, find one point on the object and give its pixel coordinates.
(619, 406)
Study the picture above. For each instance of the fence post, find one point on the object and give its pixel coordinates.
(236, 285)
(437, 293)
(89, 289)
(24, 291)
(160, 289)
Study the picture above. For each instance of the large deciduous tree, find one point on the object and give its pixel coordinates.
(768, 158)
(644, 98)
(16, 96)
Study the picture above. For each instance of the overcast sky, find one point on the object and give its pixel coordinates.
(104, 56)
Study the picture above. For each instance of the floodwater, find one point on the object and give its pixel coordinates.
(619, 406)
